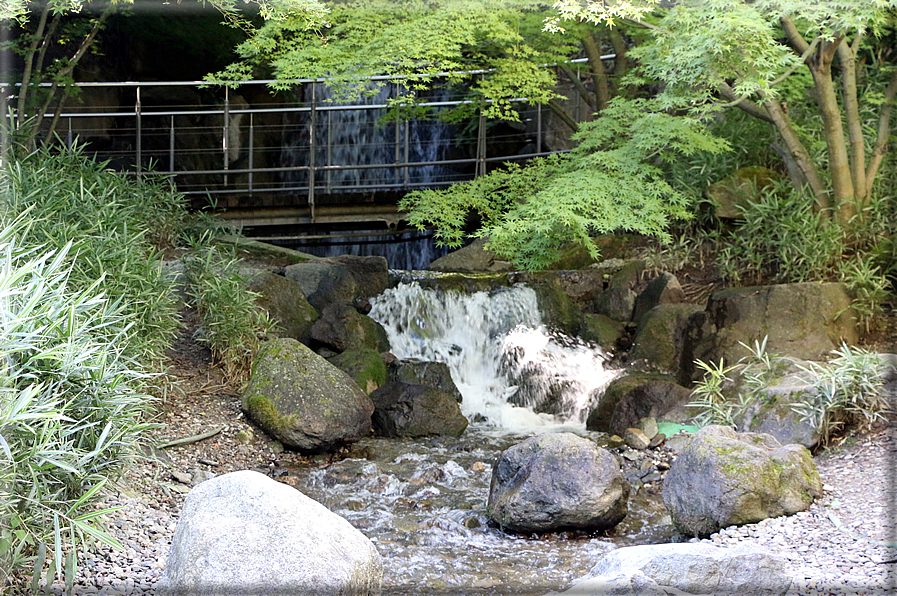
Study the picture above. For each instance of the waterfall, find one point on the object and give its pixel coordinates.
(502, 358)
(410, 250)
(357, 137)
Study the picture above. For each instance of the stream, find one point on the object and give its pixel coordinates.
(423, 501)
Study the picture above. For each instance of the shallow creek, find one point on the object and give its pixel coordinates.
(423, 502)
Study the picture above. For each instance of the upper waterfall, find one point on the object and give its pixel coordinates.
(505, 362)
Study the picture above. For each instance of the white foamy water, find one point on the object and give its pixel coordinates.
(502, 358)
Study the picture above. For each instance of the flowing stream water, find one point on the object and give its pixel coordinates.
(423, 501)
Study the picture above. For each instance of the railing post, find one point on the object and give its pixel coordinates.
(251, 149)
(481, 145)
(138, 125)
(539, 128)
(171, 146)
(226, 132)
(311, 155)
(68, 137)
(407, 134)
(329, 150)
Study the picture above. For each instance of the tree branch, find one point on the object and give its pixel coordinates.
(854, 123)
(588, 97)
(563, 115)
(29, 63)
(797, 40)
(884, 129)
(799, 153)
(742, 103)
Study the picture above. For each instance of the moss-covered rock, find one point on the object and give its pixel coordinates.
(602, 330)
(740, 189)
(341, 328)
(660, 337)
(303, 401)
(639, 388)
(365, 366)
(723, 478)
(424, 372)
(285, 303)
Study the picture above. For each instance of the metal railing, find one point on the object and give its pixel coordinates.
(286, 145)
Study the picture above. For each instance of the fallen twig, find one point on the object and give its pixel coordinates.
(193, 439)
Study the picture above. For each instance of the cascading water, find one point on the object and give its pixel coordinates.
(422, 502)
(501, 356)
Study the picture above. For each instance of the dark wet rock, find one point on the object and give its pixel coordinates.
(616, 303)
(424, 372)
(371, 275)
(724, 478)
(660, 339)
(406, 410)
(285, 303)
(341, 327)
(601, 330)
(324, 282)
(637, 395)
(303, 401)
(557, 482)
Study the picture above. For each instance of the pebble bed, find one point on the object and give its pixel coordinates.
(842, 545)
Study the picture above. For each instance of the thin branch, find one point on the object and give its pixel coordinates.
(588, 97)
(29, 62)
(803, 59)
(797, 40)
(563, 115)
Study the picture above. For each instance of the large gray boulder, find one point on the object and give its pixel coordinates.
(803, 320)
(285, 303)
(471, 258)
(723, 478)
(684, 569)
(303, 401)
(324, 282)
(557, 482)
(663, 289)
(341, 327)
(661, 338)
(407, 410)
(244, 533)
(371, 275)
(616, 303)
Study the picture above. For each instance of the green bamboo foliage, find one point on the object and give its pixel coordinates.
(69, 416)
(115, 227)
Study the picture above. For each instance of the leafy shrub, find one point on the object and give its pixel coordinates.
(781, 238)
(69, 415)
(232, 324)
(116, 228)
(849, 390)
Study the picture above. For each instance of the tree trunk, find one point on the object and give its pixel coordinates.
(599, 74)
(847, 55)
(843, 194)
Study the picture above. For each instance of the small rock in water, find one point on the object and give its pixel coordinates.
(615, 441)
(181, 477)
(478, 467)
(635, 438)
(657, 440)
